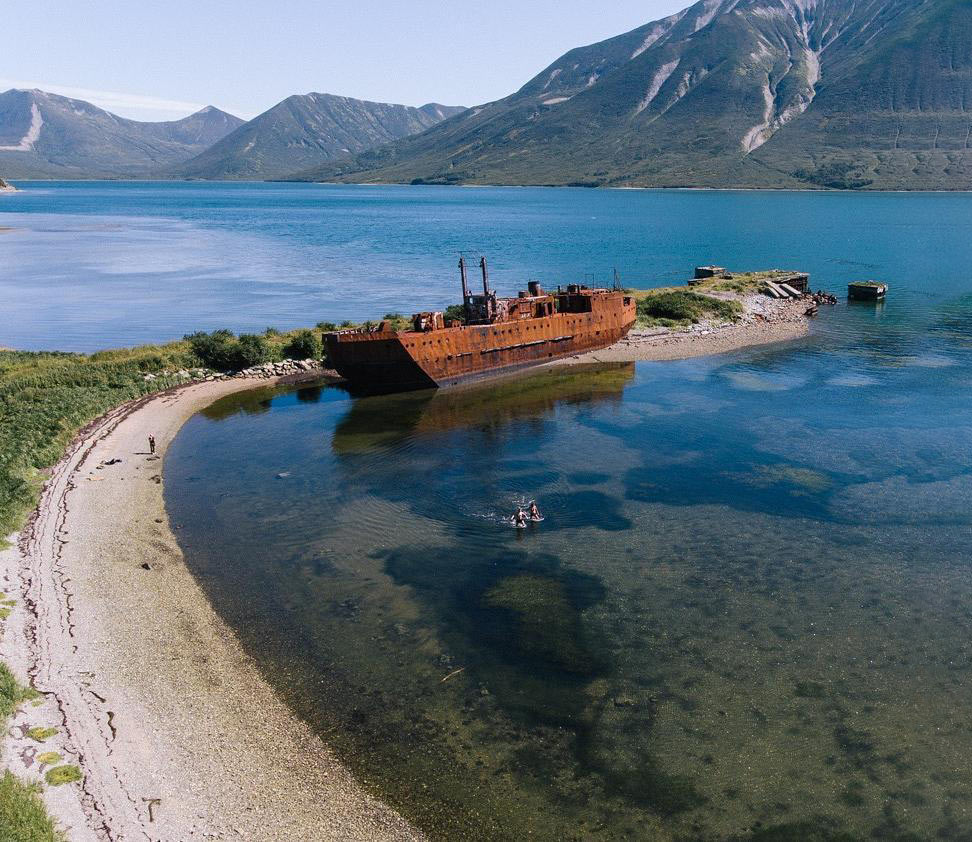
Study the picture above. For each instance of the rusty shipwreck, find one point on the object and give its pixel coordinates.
(496, 336)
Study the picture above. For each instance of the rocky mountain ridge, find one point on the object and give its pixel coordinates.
(308, 130)
(44, 135)
(726, 93)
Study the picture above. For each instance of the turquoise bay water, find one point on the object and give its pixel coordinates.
(90, 264)
(747, 614)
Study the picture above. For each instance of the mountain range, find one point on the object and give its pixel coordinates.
(727, 93)
(43, 135)
(306, 130)
(859, 94)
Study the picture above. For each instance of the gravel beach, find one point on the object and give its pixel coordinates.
(764, 321)
(177, 734)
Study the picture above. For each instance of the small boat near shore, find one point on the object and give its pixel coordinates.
(496, 336)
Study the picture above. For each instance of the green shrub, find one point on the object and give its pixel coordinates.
(679, 307)
(252, 350)
(221, 351)
(327, 327)
(46, 397)
(455, 313)
(216, 350)
(304, 345)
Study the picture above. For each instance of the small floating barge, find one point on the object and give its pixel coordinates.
(866, 291)
(498, 336)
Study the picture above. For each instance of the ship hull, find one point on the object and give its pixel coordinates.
(406, 360)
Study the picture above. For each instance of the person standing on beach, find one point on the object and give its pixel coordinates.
(152, 445)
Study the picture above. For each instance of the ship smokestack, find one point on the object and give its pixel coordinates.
(482, 265)
(535, 289)
(465, 281)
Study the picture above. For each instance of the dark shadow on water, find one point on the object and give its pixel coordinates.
(386, 420)
(310, 394)
(590, 508)
(516, 616)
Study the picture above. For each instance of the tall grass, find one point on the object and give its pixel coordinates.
(45, 398)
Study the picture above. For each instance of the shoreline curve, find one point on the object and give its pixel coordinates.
(176, 732)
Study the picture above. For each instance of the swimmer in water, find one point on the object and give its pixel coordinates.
(520, 518)
(534, 511)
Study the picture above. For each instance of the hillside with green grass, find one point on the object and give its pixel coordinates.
(47, 397)
(857, 94)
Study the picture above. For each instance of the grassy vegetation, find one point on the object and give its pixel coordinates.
(12, 695)
(22, 814)
(45, 398)
(743, 282)
(679, 307)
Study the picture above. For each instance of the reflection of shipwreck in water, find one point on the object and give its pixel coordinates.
(497, 336)
(381, 420)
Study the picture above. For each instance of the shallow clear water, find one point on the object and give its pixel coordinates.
(748, 611)
(746, 614)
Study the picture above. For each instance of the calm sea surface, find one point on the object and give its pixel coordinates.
(748, 613)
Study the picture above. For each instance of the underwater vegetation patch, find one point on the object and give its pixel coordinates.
(515, 618)
(646, 783)
(803, 479)
(810, 690)
(589, 478)
(546, 627)
(815, 830)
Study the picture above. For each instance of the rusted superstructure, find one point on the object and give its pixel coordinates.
(499, 336)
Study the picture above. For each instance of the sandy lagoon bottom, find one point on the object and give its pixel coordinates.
(740, 619)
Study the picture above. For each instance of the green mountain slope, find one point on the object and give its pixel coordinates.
(748, 93)
(308, 130)
(43, 135)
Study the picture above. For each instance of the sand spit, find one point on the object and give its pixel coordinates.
(176, 733)
(764, 322)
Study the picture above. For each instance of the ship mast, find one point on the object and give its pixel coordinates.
(465, 287)
(488, 302)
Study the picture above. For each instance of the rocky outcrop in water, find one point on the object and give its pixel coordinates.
(6, 188)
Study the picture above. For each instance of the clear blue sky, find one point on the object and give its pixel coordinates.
(154, 60)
